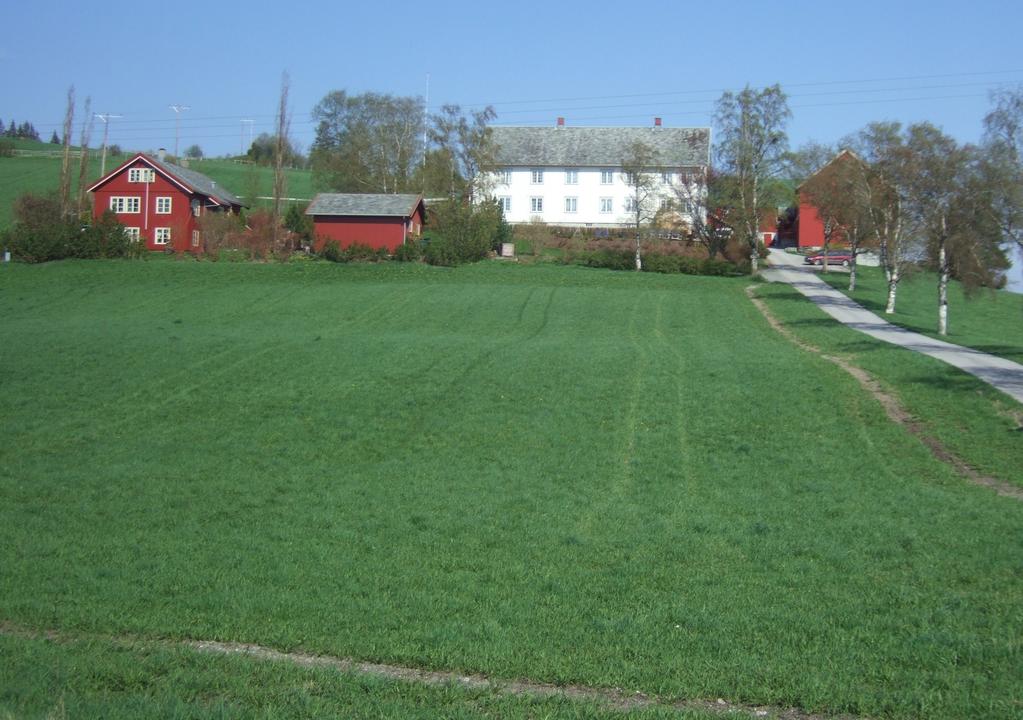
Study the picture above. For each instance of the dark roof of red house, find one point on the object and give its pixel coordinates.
(364, 204)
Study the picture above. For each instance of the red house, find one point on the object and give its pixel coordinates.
(379, 221)
(810, 227)
(160, 203)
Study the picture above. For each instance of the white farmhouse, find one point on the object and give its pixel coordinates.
(573, 175)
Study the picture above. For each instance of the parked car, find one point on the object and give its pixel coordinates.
(835, 257)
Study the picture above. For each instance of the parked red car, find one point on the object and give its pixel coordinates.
(835, 257)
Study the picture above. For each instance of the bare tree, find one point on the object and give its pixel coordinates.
(639, 167)
(281, 147)
(65, 167)
(752, 149)
(83, 157)
(701, 195)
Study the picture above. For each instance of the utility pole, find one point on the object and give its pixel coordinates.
(241, 148)
(106, 118)
(178, 109)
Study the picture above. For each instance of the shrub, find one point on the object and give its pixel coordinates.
(40, 233)
(6, 148)
(332, 251)
(440, 251)
(409, 252)
(469, 231)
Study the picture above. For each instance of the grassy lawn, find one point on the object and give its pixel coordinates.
(991, 321)
(556, 473)
(41, 174)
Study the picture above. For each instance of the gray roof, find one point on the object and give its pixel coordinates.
(197, 181)
(599, 146)
(367, 204)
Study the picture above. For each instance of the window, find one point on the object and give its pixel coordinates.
(607, 177)
(571, 204)
(571, 177)
(128, 204)
(629, 178)
(606, 205)
(505, 202)
(667, 178)
(141, 175)
(667, 204)
(132, 233)
(504, 177)
(163, 205)
(195, 238)
(163, 236)
(196, 208)
(536, 204)
(630, 204)
(536, 177)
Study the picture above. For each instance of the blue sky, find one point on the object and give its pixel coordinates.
(843, 65)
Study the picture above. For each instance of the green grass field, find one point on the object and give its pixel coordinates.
(544, 472)
(988, 320)
(41, 174)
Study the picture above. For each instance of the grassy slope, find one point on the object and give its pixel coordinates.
(557, 473)
(40, 174)
(989, 321)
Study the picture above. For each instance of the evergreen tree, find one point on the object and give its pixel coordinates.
(12, 130)
(54, 140)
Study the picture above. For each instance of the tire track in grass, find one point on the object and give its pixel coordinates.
(893, 407)
(618, 699)
(680, 369)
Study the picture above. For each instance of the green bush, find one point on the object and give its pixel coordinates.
(619, 259)
(409, 252)
(6, 148)
(606, 258)
(439, 250)
(332, 251)
(41, 234)
(467, 232)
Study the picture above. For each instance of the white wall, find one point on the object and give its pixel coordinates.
(588, 192)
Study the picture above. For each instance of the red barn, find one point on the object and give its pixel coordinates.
(160, 203)
(379, 221)
(810, 227)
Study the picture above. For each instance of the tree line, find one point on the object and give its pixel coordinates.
(24, 130)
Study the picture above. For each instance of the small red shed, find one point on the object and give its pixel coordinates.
(379, 221)
(160, 203)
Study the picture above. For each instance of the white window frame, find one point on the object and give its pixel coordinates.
(667, 177)
(159, 202)
(504, 177)
(536, 205)
(607, 177)
(141, 175)
(629, 178)
(667, 204)
(133, 234)
(196, 237)
(505, 202)
(162, 236)
(571, 177)
(607, 205)
(126, 204)
(536, 176)
(630, 204)
(571, 205)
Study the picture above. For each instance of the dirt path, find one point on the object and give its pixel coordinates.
(895, 410)
(610, 698)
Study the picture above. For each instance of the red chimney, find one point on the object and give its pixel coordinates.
(657, 122)
(561, 122)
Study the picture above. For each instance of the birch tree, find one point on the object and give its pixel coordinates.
(466, 141)
(639, 166)
(752, 145)
(883, 194)
(367, 143)
(283, 125)
(1003, 161)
